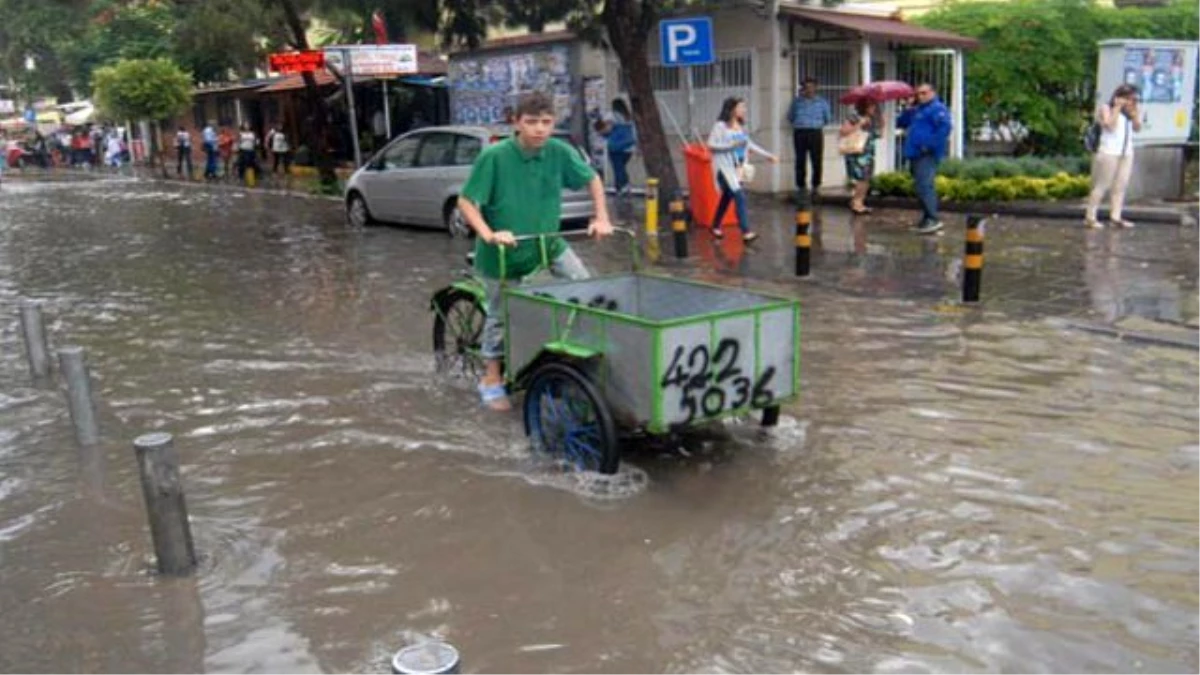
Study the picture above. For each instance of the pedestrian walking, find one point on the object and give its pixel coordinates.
(247, 157)
(809, 115)
(926, 122)
(1112, 165)
(183, 150)
(113, 150)
(730, 144)
(225, 150)
(620, 143)
(282, 152)
(209, 138)
(858, 137)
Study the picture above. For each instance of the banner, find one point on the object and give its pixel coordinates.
(377, 60)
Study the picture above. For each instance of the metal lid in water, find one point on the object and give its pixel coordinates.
(428, 658)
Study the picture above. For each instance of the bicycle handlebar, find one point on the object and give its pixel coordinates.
(573, 233)
(633, 243)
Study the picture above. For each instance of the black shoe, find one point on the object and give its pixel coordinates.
(929, 227)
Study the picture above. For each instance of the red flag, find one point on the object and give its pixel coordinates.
(380, 27)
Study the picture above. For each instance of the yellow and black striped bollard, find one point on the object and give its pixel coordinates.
(973, 259)
(652, 207)
(679, 227)
(803, 241)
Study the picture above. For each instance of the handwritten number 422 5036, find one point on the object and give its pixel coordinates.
(705, 381)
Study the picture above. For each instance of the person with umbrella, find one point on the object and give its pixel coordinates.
(927, 127)
(858, 137)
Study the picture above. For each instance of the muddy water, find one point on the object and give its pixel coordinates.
(956, 491)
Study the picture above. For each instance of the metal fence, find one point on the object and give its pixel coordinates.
(835, 74)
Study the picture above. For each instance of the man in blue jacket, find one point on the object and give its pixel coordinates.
(927, 126)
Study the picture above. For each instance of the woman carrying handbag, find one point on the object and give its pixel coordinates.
(856, 142)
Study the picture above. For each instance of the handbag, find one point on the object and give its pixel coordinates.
(853, 144)
(746, 172)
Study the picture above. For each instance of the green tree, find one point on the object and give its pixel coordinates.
(35, 32)
(142, 89)
(1037, 61)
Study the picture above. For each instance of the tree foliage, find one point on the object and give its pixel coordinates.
(1037, 61)
(152, 89)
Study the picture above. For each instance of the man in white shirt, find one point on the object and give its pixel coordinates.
(210, 151)
(183, 147)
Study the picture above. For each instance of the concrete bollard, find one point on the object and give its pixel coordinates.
(428, 658)
(158, 465)
(803, 241)
(652, 207)
(35, 338)
(73, 364)
(679, 227)
(973, 259)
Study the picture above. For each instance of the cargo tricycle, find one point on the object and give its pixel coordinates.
(609, 358)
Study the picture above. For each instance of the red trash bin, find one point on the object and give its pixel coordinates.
(702, 186)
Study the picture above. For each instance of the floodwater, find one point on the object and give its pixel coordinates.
(983, 489)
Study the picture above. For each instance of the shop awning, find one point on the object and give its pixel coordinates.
(890, 29)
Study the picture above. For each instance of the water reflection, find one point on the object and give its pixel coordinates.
(954, 491)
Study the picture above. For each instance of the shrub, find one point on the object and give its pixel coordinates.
(1060, 185)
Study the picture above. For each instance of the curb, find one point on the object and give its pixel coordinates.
(1183, 215)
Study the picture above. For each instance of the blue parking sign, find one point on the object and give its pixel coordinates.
(686, 42)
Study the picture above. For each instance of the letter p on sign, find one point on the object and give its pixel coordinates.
(686, 42)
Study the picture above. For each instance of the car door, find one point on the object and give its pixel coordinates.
(395, 169)
(427, 195)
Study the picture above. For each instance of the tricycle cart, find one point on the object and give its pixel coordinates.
(611, 357)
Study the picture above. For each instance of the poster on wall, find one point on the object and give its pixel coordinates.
(483, 87)
(1156, 73)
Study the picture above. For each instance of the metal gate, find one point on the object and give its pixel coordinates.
(935, 66)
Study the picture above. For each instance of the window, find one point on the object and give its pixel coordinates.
(437, 150)
(466, 149)
(403, 154)
(198, 115)
(226, 111)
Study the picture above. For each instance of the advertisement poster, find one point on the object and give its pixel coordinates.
(1157, 73)
(482, 87)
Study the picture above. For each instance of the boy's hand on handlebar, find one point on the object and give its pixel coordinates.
(600, 228)
(502, 238)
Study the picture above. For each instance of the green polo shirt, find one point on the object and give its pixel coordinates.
(521, 192)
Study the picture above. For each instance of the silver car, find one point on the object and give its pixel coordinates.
(416, 179)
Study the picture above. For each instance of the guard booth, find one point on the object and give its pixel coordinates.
(1164, 73)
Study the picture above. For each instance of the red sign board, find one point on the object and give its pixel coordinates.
(296, 62)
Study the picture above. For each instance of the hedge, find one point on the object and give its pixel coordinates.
(1059, 186)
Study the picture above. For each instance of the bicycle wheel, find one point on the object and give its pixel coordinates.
(458, 334)
(566, 417)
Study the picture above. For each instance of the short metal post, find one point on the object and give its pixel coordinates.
(679, 227)
(158, 465)
(973, 259)
(803, 241)
(429, 658)
(35, 338)
(652, 207)
(79, 394)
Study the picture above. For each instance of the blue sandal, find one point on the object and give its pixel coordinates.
(495, 396)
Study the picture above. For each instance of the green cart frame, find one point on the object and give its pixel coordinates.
(615, 356)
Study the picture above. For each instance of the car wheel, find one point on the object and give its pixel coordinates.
(357, 213)
(456, 223)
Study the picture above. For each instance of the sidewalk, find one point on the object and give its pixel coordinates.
(1157, 211)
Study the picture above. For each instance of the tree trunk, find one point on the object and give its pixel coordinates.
(628, 24)
(318, 134)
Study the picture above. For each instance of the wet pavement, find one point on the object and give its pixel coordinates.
(983, 488)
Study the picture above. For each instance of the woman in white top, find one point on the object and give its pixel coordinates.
(1112, 165)
(730, 143)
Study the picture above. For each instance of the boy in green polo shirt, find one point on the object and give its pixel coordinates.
(516, 188)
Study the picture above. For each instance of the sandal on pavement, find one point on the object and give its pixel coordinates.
(495, 397)
(717, 233)
(1122, 223)
(861, 212)
(749, 237)
(1093, 224)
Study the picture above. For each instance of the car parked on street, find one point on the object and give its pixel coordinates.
(416, 179)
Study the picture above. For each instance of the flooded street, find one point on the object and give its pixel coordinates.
(957, 489)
